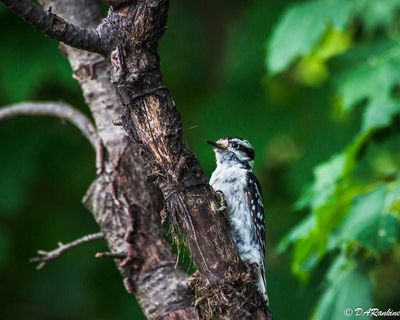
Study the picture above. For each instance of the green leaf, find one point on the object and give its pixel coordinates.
(330, 200)
(373, 76)
(326, 177)
(300, 231)
(372, 80)
(348, 287)
(312, 237)
(377, 13)
(312, 69)
(379, 113)
(302, 27)
(370, 223)
(393, 199)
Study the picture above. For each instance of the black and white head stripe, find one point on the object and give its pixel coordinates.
(241, 145)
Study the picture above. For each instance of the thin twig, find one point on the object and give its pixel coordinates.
(44, 257)
(61, 110)
(57, 28)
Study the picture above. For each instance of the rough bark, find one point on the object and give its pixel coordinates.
(152, 120)
(124, 205)
(153, 123)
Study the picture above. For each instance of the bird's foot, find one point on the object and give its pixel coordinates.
(221, 201)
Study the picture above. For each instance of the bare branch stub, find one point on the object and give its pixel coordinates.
(113, 255)
(44, 257)
(57, 28)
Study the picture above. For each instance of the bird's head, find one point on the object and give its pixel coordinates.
(233, 150)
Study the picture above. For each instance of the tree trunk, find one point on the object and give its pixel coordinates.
(125, 206)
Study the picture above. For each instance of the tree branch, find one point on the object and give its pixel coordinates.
(55, 27)
(44, 257)
(152, 120)
(55, 109)
(123, 204)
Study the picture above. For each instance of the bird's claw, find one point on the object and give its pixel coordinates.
(221, 201)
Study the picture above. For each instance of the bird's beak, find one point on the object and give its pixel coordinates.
(216, 145)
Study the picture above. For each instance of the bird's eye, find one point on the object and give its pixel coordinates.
(234, 145)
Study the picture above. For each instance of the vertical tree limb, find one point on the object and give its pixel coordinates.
(125, 206)
(152, 120)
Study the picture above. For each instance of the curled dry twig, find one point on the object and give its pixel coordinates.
(63, 111)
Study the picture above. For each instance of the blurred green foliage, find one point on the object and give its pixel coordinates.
(353, 212)
(325, 108)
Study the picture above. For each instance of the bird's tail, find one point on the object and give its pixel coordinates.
(262, 284)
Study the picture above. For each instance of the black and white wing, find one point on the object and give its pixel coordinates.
(255, 203)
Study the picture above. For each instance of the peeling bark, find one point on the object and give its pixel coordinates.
(152, 121)
(123, 204)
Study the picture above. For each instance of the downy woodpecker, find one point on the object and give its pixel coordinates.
(242, 193)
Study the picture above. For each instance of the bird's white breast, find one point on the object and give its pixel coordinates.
(231, 180)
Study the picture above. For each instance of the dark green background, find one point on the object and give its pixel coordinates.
(213, 59)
